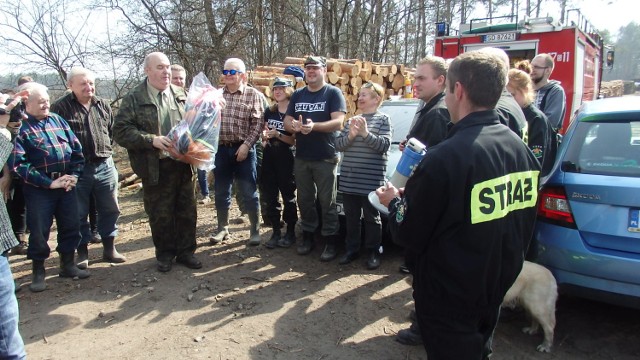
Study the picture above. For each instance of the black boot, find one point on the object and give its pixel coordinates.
(373, 259)
(330, 251)
(289, 238)
(307, 244)
(223, 227)
(109, 253)
(274, 239)
(83, 256)
(37, 276)
(68, 267)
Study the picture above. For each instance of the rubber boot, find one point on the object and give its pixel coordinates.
(109, 252)
(330, 251)
(373, 259)
(37, 276)
(276, 236)
(307, 243)
(254, 228)
(83, 256)
(289, 238)
(222, 233)
(68, 267)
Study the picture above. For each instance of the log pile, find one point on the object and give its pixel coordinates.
(347, 74)
(613, 88)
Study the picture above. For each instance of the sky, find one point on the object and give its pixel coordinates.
(610, 14)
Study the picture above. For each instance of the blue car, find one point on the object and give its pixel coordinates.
(588, 231)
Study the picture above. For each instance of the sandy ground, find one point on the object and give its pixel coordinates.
(255, 303)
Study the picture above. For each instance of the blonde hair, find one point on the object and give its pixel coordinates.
(521, 81)
(524, 65)
(288, 90)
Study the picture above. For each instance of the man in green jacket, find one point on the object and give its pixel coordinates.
(146, 115)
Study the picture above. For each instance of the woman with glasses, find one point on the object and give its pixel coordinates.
(364, 142)
(541, 137)
(277, 167)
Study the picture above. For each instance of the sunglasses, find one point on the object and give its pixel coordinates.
(231, 72)
(369, 85)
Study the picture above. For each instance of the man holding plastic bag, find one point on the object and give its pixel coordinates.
(148, 113)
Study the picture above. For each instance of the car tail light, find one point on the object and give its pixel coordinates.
(554, 206)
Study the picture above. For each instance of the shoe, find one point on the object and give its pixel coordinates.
(95, 238)
(410, 336)
(164, 265)
(348, 257)
(83, 257)
(204, 199)
(404, 269)
(273, 240)
(306, 246)
(329, 252)
(189, 261)
(254, 240)
(373, 261)
(288, 239)
(220, 235)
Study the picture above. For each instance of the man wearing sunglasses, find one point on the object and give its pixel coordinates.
(315, 113)
(240, 127)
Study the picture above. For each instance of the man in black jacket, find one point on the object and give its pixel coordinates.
(467, 215)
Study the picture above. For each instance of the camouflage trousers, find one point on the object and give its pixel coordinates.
(172, 211)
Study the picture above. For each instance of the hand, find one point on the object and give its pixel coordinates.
(161, 142)
(242, 152)
(362, 127)
(402, 145)
(297, 124)
(353, 128)
(272, 133)
(5, 183)
(387, 193)
(307, 128)
(4, 119)
(66, 182)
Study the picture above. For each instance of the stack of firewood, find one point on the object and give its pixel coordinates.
(347, 75)
(613, 88)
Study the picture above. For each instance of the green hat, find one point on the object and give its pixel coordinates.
(316, 60)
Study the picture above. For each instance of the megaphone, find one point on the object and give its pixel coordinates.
(413, 152)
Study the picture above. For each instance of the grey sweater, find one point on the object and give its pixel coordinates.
(364, 160)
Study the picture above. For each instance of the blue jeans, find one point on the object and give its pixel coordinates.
(101, 181)
(202, 182)
(43, 205)
(227, 169)
(11, 345)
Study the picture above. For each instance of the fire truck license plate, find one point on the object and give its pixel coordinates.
(499, 37)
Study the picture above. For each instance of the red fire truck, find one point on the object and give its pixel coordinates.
(576, 47)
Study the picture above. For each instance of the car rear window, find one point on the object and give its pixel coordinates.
(401, 116)
(604, 148)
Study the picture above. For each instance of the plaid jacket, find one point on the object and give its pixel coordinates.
(44, 147)
(7, 238)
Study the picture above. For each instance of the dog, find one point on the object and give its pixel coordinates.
(536, 290)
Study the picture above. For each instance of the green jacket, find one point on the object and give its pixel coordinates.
(135, 126)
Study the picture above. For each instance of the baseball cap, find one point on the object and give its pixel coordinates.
(280, 82)
(316, 60)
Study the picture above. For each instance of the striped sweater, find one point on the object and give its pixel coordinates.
(364, 160)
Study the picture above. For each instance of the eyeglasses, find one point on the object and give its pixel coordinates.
(231, 72)
(539, 67)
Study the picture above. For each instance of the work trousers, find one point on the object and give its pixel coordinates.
(172, 211)
(317, 180)
(277, 178)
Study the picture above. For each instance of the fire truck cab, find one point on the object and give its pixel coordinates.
(576, 48)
